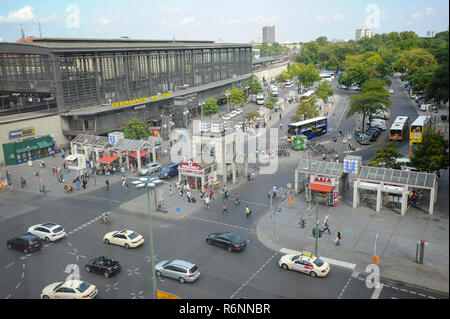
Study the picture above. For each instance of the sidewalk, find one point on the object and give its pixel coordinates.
(396, 243)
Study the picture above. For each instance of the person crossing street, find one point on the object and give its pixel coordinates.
(247, 212)
(236, 200)
(224, 208)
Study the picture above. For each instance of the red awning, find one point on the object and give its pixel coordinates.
(321, 188)
(143, 154)
(108, 159)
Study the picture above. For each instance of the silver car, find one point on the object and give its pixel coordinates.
(177, 269)
(150, 168)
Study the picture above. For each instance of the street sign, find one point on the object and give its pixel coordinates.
(164, 295)
(178, 210)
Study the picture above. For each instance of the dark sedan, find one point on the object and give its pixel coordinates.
(230, 241)
(103, 265)
(26, 243)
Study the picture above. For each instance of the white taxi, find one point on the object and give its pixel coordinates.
(70, 289)
(126, 238)
(305, 262)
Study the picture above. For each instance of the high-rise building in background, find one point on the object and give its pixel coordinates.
(431, 34)
(364, 32)
(269, 34)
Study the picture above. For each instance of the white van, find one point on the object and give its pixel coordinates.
(289, 83)
(379, 122)
(274, 90)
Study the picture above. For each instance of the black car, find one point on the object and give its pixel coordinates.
(374, 130)
(103, 265)
(372, 134)
(230, 241)
(27, 243)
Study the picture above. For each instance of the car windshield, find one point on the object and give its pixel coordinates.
(318, 262)
(295, 258)
(84, 285)
(57, 230)
(133, 235)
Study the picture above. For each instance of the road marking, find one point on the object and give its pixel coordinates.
(248, 280)
(345, 287)
(328, 260)
(377, 292)
(9, 265)
(18, 285)
(420, 294)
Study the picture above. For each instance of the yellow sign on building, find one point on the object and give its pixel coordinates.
(141, 100)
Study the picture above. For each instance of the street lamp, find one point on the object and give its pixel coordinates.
(227, 94)
(185, 113)
(151, 186)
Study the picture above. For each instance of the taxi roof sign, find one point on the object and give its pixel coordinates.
(165, 295)
(307, 254)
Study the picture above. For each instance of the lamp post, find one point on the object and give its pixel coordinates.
(227, 94)
(151, 186)
(185, 113)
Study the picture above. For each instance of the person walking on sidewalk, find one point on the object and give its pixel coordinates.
(338, 239)
(236, 200)
(207, 202)
(188, 194)
(225, 210)
(326, 224)
(211, 193)
(247, 211)
(23, 182)
(107, 185)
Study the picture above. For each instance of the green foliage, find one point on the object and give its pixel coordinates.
(306, 74)
(386, 155)
(282, 77)
(253, 84)
(305, 110)
(135, 129)
(323, 91)
(432, 154)
(271, 103)
(210, 107)
(236, 95)
(267, 50)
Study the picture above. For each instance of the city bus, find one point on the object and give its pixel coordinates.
(418, 127)
(310, 128)
(399, 128)
(308, 96)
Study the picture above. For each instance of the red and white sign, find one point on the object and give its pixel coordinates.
(190, 168)
(323, 180)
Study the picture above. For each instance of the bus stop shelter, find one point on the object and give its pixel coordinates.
(380, 180)
(92, 146)
(131, 148)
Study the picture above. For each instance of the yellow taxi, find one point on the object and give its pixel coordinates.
(305, 262)
(70, 289)
(126, 238)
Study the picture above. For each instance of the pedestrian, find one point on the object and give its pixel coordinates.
(338, 239)
(324, 157)
(247, 212)
(207, 202)
(236, 200)
(225, 192)
(23, 182)
(290, 201)
(107, 185)
(225, 210)
(63, 153)
(181, 192)
(122, 170)
(211, 193)
(77, 182)
(126, 187)
(326, 225)
(10, 186)
(280, 116)
(84, 183)
(188, 194)
(170, 190)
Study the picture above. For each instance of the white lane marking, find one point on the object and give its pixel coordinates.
(7, 297)
(345, 287)
(9, 265)
(248, 280)
(328, 260)
(18, 285)
(377, 292)
(420, 294)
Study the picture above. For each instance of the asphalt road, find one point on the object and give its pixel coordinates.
(251, 274)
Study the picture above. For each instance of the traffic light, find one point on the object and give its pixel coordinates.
(302, 223)
(314, 232)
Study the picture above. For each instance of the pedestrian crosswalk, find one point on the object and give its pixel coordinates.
(283, 192)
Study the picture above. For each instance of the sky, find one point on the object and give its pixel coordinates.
(231, 21)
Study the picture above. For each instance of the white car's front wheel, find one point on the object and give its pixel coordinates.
(284, 266)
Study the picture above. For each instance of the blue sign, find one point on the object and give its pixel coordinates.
(112, 139)
(350, 170)
(21, 133)
(178, 210)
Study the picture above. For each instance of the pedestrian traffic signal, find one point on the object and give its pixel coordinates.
(302, 223)
(314, 232)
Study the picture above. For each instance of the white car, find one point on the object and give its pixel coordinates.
(126, 238)
(305, 262)
(239, 111)
(233, 113)
(391, 91)
(379, 122)
(226, 117)
(48, 231)
(70, 289)
(149, 169)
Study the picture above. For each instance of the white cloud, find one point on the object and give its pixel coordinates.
(320, 19)
(324, 19)
(416, 15)
(49, 19)
(338, 16)
(234, 22)
(262, 20)
(103, 22)
(25, 14)
(190, 21)
(429, 11)
(167, 9)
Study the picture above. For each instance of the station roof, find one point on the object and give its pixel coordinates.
(92, 140)
(130, 145)
(397, 177)
(331, 169)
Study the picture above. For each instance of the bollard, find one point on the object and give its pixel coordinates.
(420, 250)
(376, 259)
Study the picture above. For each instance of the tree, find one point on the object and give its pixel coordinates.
(306, 74)
(135, 129)
(373, 97)
(323, 91)
(322, 40)
(236, 95)
(254, 87)
(432, 154)
(282, 77)
(271, 102)
(210, 107)
(357, 74)
(386, 155)
(305, 110)
(415, 59)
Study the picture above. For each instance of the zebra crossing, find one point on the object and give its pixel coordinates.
(283, 192)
